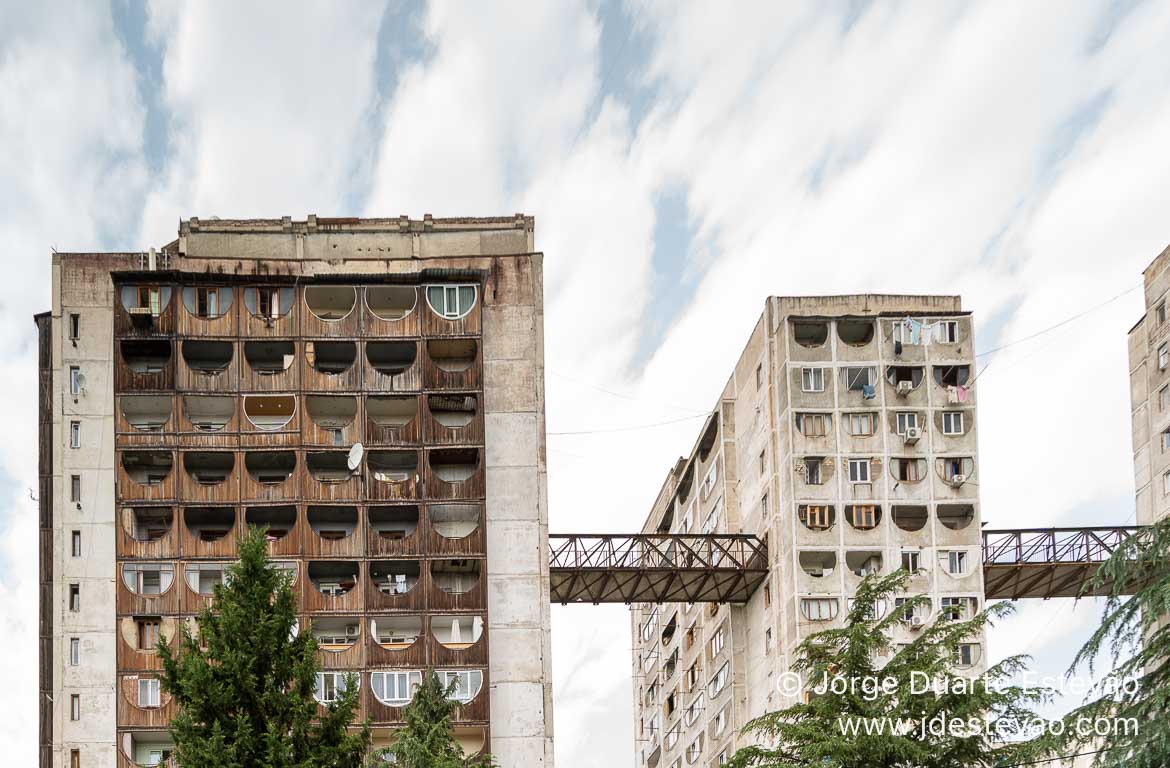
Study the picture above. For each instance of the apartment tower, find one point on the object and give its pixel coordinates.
(845, 436)
(1149, 386)
(371, 391)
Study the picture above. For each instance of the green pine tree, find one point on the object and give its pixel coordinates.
(1135, 635)
(427, 740)
(244, 683)
(812, 734)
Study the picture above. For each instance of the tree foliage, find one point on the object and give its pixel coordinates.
(428, 740)
(244, 682)
(816, 733)
(1134, 635)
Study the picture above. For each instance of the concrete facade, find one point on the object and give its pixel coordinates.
(809, 446)
(86, 539)
(1149, 386)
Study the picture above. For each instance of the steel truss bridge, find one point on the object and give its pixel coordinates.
(720, 568)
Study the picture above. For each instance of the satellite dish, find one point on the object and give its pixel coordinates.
(355, 457)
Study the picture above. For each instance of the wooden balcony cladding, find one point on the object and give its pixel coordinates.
(147, 475)
(392, 366)
(285, 527)
(476, 710)
(331, 365)
(270, 476)
(330, 311)
(335, 586)
(144, 365)
(393, 475)
(199, 580)
(270, 365)
(145, 420)
(144, 310)
(208, 310)
(394, 530)
(131, 715)
(333, 531)
(455, 530)
(330, 420)
(453, 419)
(341, 640)
(455, 473)
(209, 531)
(388, 592)
(393, 420)
(461, 589)
(346, 658)
(452, 364)
(391, 311)
(268, 312)
(270, 420)
(208, 421)
(379, 712)
(146, 531)
(207, 365)
(397, 655)
(457, 654)
(435, 324)
(209, 476)
(124, 761)
(157, 585)
(326, 477)
(130, 656)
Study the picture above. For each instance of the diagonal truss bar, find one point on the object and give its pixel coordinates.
(1047, 562)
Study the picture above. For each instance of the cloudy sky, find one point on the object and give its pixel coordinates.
(683, 161)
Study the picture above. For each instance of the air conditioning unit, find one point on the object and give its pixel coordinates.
(352, 630)
(912, 435)
(904, 388)
(958, 479)
(916, 622)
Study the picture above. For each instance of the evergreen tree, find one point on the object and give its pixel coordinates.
(427, 740)
(816, 734)
(244, 683)
(1134, 701)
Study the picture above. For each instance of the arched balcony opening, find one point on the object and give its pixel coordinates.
(956, 517)
(146, 413)
(209, 413)
(810, 333)
(207, 357)
(391, 302)
(328, 466)
(207, 302)
(393, 523)
(455, 577)
(393, 466)
(391, 411)
(146, 524)
(817, 564)
(209, 524)
(855, 331)
(457, 632)
(452, 411)
(202, 578)
(268, 302)
(394, 577)
(330, 302)
(269, 358)
(952, 375)
(336, 633)
(331, 413)
(209, 467)
(146, 355)
(331, 358)
(145, 300)
(147, 467)
(909, 517)
(454, 465)
(391, 357)
(269, 413)
(396, 633)
(863, 562)
(148, 748)
(454, 521)
(333, 578)
(148, 579)
(452, 355)
(333, 523)
(270, 467)
(863, 517)
(279, 520)
(817, 517)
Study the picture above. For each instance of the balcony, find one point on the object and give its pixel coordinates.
(201, 580)
(144, 310)
(209, 531)
(330, 366)
(912, 519)
(147, 532)
(145, 420)
(392, 366)
(456, 585)
(332, 420)
(208, 421)
(269, 476)
(905, 385)
(335, 532)
(270, 366)
(810, 338)
(336, 586)
(146, 475)
(144, 704)
(391, 311)
(327, 477)
(330, 311)
(208, 366)
(146, 365)
(393, 420)
(208, 310)
(147, 588)
(458, 641)
(145, 749)
(138, 636)
(452, 364)
(454, 420)
(455, 473)
(210, 476)
(856, 338)
(283, 524)
(397, 641)
(393, 475)
(268, 311)
(395, 586)
(393, 530)
(270, 420)
(340, 640)
(455, 529)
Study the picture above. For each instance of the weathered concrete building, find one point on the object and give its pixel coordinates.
(369, 389)
(1149, 385)
(846, 435)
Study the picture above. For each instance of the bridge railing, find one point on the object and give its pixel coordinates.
(1053, 545)
(657, 551)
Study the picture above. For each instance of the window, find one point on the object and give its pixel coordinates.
(813, 424)
(767, 595)
(75, 487)
(908, 470)
(910, 561)
(860, 424)
(75, 597)
(148, 634)
(817, 517)
(858, 379)
(207, 303)
(148, 296)
(1164, 398)
(720, 722)
(717, 641)
(74, 326)
(330, 686)
(946, 331)
(812, 471)
(75, 434)
(956, 470)
(75, 758)
(952, 422)
(74, 379)
(710, 480)
(764, 504)
(1165, 440)
(75, 544)
(863, 517)
(467, 683)
(759, 376)
(965, 654)
(768, 640)
(812, 379)
(148, 692)
(859, 470)
(691, 679)
(268, 303)
(451, 301)
(906, 420)
(1160, 312)
(956, 608)
(1163, 356)
(818, 608)
(763, 459)
(719, 681)
(75, 706)
(956, 563)
(694, 710)
(74, 651)
(395, 689)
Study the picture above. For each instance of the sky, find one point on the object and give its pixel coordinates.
(683, 160)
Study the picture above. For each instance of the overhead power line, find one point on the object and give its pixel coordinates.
(633, 428)
(1061, 324)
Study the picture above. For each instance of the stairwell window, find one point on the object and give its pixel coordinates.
(74, 379)
(74, 326)
(952, 422)
(812, 379)
(74, 651)
(75, 487)
(75, 544)
(1160, 313)
(1166, 484)
(75, 707)
(75, 597)
(759, 376)
(1165, 440)
(75, 434)
(859, 470)
(1163, 356)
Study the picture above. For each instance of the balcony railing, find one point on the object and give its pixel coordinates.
(1047, 562)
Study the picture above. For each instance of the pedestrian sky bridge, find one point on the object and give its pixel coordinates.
(664, 568)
